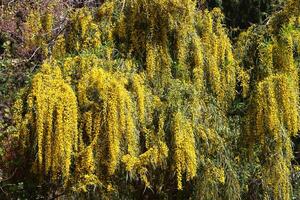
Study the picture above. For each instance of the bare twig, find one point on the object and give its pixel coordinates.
(123, 5)
(6, 194)
(58, 195)
(6, 179)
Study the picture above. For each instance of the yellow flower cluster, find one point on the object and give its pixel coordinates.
(213, 55)
(277, 95)
(74, 68)
(181, 48)
(198, 71)
(59, 48)
(277, 104)
(154, 156)
(276, 177)
(268, 121)
(276, 110)
(288, 101)
(184, 149)
(217, 52)
(52, 114)
(140, 93)
(38, 30)
(266, 58)
(34, 25)
(218, 173)
(244, 78)
(114, 103)
(85, 170)
(84, 32)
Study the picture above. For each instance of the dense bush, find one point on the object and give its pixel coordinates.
(150, 100)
